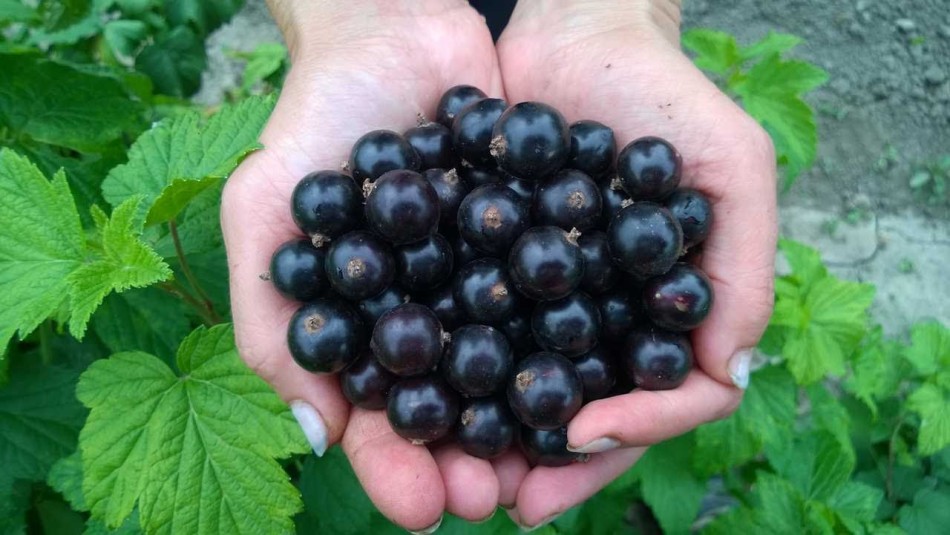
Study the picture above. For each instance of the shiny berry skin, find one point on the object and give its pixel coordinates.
(569, 199)
(600, 273)
(402, 207)
(476, 360)
(545, 390)
(644, 239)
(474, 176)
(324, 336)
(619, 312)
(407, 340)
(296, 270)
(464, 253)
(451, 190)
(422, 409)
(491, 218)
(524, 188)
(546, 263)
(693, 211)
(517, 329)
(569, 326)
(548, 448)
(612, 200)
(486, 427)
(485, 292)
(531, 140)
(593, 148)
(365, 383)
(381, 151)
(433, 143)
(472, 131)
(424, 264)
(598, 373)
(454, 100)
(656, 359)
(373, 307)
(441, 301)
(326, 204)
(649, 168)
(678, 300)
(359, 265)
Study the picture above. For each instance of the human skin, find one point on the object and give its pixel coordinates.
(369, 64)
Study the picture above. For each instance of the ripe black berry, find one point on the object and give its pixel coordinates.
(407, 340)
(475, 176)
(296, 269)
(568, 326)
(618, 313)
(649, 168)
(546, 263)
(600, 274)
(486, 427)
(597, 372)
(531, 140)
(569, 199)
(485, 292)
(517, 329)
(593, 148)
(454, 100)
(365, 383)
(693, 212)
(424, 264)
(433, 143)
(381, 151)
(545, 391)
(402, 207)
(477, 360)
(678, 300)
(373, 307)
(491, 218)
(464, 252)
(644, 239)
(326, 204)
(451, 190)
(359, 265)
(656, 359)
(441, 302)
(548, 448)
(613, 200)
(422, 409)
(524, 188)
(472, 131)
(325, 335)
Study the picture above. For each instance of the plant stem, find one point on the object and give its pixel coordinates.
(889, 481)
(175, 289)
(190, 276)
(46, 352)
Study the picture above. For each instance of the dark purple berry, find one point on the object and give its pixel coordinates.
(433, 143)
(464, 252)
(325, 336)
(407, 340)
(531, 140)
(548, 448)
(381, 151)
(693, 212)
(372, 308)
(477, 360)
(486, 427)
(593, 148)
(546, 263)
(569, 326)
(296, 269)
(402, 207)
(569, 199)
(545, 391)
(454, 100)
(600, 273)
(524, 188)
(475, 177)
(424, 264)
(359, 265)
(422, 409)
(656, 359)
(491, 218)
(597, 372)
(644, 239)
(613, 200)
(441, 301)
(451, 190)
(485, 292)
(649, 168)
(517, 329)
(618, 314)
(327, 204)
(680, 299)
(365, 383)
(472, 131)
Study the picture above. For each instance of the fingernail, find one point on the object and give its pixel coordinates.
(312, 424)
(429, 530)
(547, 520)
(596, 446)
(739, 365)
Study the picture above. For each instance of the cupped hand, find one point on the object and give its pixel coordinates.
(356, 67)
(619, 62)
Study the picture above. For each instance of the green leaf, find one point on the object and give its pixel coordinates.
(818, 464)
(499, 524)
(196, 451)
(123, 37)
(65, 477)
(876, 370)
(84, 28)
(174, 62)
(129, 527)
(932, 403)
(670, 488)
(929, 514)
(148, 320)
(929, 351)
(16, 11)
(59, 105)
(41, 243)
(264, 61)
(829, 414)
(343, 507)
(805, 262)
(602, 514)
(773, 43)
(780, 505)
(203, 15)
(181, 157)
(856, 502)
(715, 51)
(775, 76)
(14, 503)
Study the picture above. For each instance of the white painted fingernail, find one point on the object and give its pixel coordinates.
(312, 424)
(739, 366)
(547, 520)
(429, 530)
(597, 446)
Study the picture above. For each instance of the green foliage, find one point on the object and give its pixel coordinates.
(930, 180)
(769, 87)
(266, 64)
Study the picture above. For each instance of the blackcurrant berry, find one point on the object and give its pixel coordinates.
(593, 148)
(693, 212)
(464, 252)
(649, 168)
(381, 151)
(474, 176)
(545, 391)
(644, 239)
(373, 307)
(402, 207)
(486, 427)
(485, 292)
(678, 300)
(618, 314)
(327, 204)
(613, 200)
(548, 448)
(597, 372)
(433, 144)
(517, 329)
(359, 265)
(324, 336)
(365, 383)
(407, 340)
(441, 301)
(472, 131)
(524, 188)
(296, 269)
(477, 360)
(600, 274)
(546, 263)
(454, 100)
(569, 199)
(451, 190)
(491, 218)
(422, 409)
(656, 359)
(531, 140)
(569, 326)
(424, 264)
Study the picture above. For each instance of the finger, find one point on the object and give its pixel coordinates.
(642, 417)
(511, 469)
(471, 487)
(403, 480)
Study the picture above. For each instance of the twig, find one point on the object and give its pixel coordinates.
(190, 276)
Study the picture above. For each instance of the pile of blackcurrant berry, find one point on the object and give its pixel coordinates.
(484, 276)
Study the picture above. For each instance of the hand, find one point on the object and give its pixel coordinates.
(356, 68)
(618, 62)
